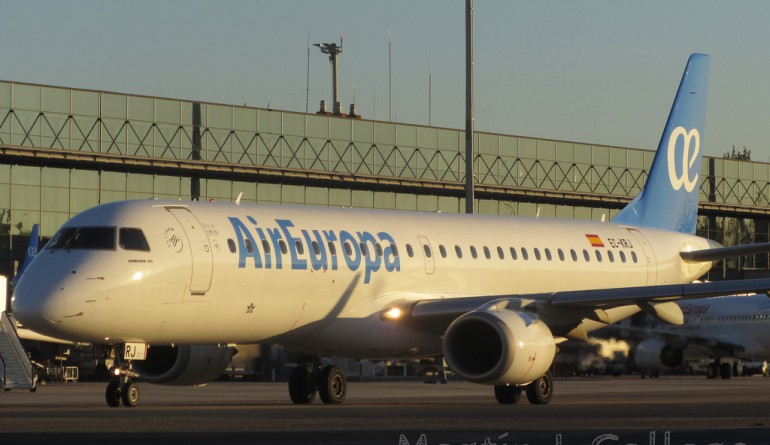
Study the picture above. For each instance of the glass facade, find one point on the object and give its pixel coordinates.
(65, 150)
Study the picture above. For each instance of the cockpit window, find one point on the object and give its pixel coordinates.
(133, 239)
(96, 238)
(59, 238)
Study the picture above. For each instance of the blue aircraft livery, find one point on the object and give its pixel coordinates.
(267, 247)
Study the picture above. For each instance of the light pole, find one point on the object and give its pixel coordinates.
(333, 51)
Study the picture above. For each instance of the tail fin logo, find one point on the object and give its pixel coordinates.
(690, 150)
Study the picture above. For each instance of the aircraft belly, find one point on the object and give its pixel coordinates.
(364, 338)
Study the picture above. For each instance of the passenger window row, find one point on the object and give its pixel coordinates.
(538, 254)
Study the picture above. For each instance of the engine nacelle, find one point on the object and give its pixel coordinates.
(499, 346)
(654, 354)
(184, 365)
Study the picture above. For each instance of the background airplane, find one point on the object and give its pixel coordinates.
(172, 286)
(32, 249)
(717, 328)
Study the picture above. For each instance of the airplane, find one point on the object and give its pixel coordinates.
(726, 327)
(173, 286)
(32, 249)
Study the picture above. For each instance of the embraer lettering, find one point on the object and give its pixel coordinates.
(267, 246)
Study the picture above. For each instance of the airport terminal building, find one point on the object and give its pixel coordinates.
(63, 150)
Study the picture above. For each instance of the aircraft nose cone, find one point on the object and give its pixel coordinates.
(36, 305)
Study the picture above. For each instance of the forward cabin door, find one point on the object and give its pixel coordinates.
(428, 253)
(199, 245)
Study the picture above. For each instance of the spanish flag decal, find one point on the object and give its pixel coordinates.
(595, 240)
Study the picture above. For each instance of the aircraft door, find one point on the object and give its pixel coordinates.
(200, 250)
(429, 254)
(649, 256)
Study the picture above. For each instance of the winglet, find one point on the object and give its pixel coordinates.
(669, 199)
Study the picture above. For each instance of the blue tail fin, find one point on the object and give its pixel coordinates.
(32, 246)
(669, 199)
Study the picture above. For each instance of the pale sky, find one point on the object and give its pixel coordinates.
(596, 71)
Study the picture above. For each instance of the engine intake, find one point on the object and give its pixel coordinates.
(498, 347)
(184, 365)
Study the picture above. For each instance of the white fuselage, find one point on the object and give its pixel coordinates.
(741, 321)
(207, 276)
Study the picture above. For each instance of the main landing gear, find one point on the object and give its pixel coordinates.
(539, 392)
(122, 389)
(329, 382)
(717, 369)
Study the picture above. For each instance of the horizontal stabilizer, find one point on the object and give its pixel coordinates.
(721, 253)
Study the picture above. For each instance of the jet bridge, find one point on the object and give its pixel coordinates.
(16, 370)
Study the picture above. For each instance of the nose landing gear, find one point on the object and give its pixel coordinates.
(122, 389)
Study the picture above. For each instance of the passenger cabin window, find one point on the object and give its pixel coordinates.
(426, 248)
(348, 249)
(537, 254)
(474, 254)
(249, 245)
(316, 247)
(487, 254)
(622, 257)
(548, 254)
(364, 250)
(610, 256)
(561, 254)
(378, 249)
(300, 247)
(586, 255)
(458, 251)
(133, 239)
(332, 249)
(442, 250)
(633, 257)
(87, 238)
(409, 250)
(524, 254)
(500, 253)
(513, 253)
(231, 245)
(394, 249)
(282, 245)
(573, 254)
(265, 246)
(598, 256)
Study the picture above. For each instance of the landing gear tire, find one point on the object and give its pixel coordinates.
(113, 394)
(540, 391)
(712, 370)
(725, 371)
(507, 395)
(332, 385)
(130, 394)
(302, 388)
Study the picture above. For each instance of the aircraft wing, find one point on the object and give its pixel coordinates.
(435, 313)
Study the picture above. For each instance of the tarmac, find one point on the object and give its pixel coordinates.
(601, 410)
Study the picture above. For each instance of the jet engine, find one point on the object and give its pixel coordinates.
(184, 365)
(654, 354)
(499, 346)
